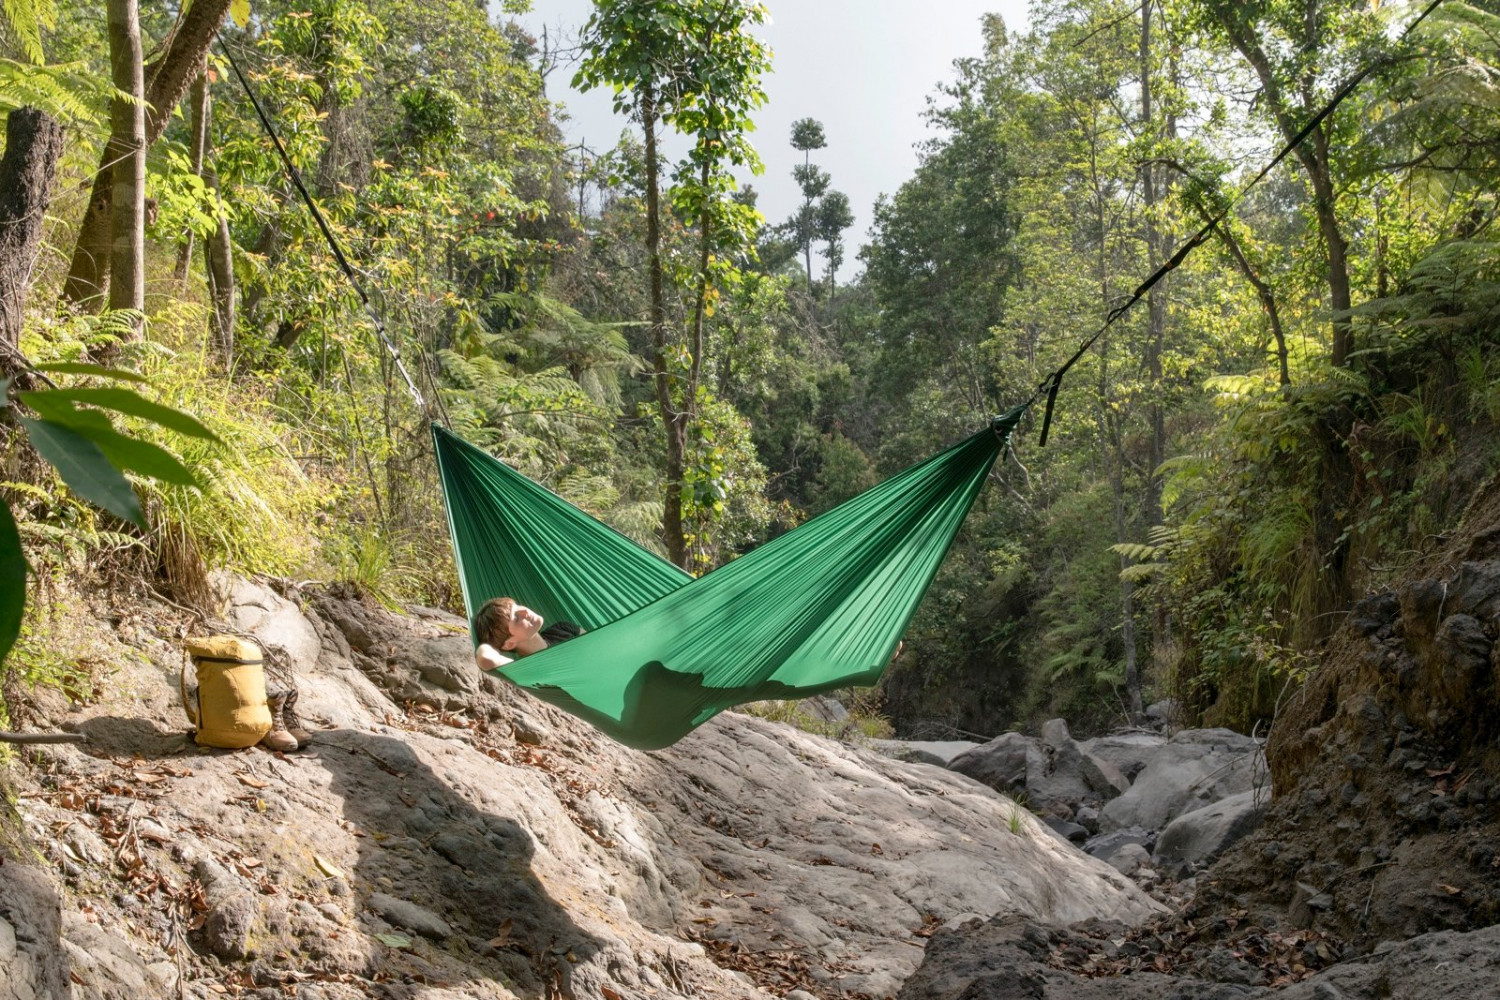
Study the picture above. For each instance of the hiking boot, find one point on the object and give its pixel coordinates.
(278, 738)
(293, 720)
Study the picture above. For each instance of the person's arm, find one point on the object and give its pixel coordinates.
(489, 658)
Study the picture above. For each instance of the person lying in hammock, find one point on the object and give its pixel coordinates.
(507, 631)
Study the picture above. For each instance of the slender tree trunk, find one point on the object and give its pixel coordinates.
(700, 306)
(1315, 161)
(1325, 204)
(1156, 326)
(218, 255)
(197, 150)
(807, 246)
(33, 145)
(674, 421)
(127, 153)
(167, 79)
(1262, 292)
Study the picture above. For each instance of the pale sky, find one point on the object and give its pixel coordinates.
(864, 68)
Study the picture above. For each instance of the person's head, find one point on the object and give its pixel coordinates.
(503, 623)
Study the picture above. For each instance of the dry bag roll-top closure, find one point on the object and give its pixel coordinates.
(231, 709)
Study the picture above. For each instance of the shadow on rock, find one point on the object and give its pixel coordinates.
(116, 736)
(433, 865)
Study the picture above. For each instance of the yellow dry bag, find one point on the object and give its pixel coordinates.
(231, 696)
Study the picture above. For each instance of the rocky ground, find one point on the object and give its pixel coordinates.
(1374, 871)
(446, 836)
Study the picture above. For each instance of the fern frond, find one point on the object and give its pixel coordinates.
(66, 91)
(22, 22)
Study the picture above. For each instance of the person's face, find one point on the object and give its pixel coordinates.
(524, 623)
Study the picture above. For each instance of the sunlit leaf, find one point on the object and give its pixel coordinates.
(84, 368)
(12, 581)
(124, 453)
(85, 469)
(136, 405)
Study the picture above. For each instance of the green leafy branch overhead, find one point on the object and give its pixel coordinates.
(72, 429)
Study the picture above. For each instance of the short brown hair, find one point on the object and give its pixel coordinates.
(492, 622)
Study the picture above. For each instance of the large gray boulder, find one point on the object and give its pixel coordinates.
(506, 849)
(1006, 763)
(1129, 752)
(1196, 768)
(1203, 834)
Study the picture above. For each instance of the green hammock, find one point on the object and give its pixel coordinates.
(820, 607)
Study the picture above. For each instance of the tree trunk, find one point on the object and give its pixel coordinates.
(674, 422)
(167, 79)
(1262, 292)
(33, 145)
(1325, 204)
(126, 150)
(700, 306)
(1156, 327)
(197, 151)
(1315, 161)
(218, 254)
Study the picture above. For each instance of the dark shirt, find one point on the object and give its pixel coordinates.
(560, 632)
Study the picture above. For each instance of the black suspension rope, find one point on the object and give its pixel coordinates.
(333, 243)
(1053, 382)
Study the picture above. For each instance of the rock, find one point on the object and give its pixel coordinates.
(402, 913)
(1128, 752)
(824, 708)
(1163, 713)
(1087, 817)
(1129, 859)
(1003, 763)
(1196, 768)
(937, 752)
(86, 844)
(1067, 831)
(231, 911)
(1462, 660)
(273, 620)
(1105, 845)
(1203, 834)
(447, 662)
(33, 963)
(522, 826)
(1307, 902)
(1008, 960)
(1102, 776)
(1221, 965)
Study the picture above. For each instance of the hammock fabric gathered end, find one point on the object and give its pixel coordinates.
(820, 607)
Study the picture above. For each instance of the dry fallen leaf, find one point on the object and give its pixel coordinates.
(245, 779)
(327, 867)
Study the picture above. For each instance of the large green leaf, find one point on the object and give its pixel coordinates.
(85, 469)
(84, 368)
(123, 452)
(12, 581)
(131, 402)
